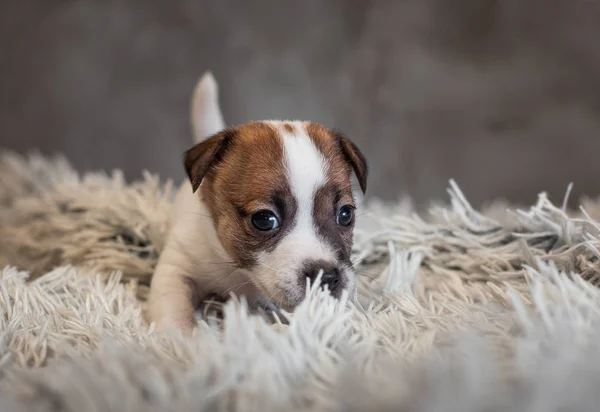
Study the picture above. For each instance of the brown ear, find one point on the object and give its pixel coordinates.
(202, 157)
(355, 158)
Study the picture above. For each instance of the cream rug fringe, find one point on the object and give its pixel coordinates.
(459, 310)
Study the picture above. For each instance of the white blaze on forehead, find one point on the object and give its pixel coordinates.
(305, 169)
(305, 165)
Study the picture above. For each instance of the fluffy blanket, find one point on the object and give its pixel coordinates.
(458, 309)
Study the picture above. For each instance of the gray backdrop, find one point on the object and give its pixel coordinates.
(502, 95)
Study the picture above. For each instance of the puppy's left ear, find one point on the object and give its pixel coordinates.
(355, 158)
(206, 155)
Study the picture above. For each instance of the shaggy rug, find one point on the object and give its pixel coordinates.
(458, 309)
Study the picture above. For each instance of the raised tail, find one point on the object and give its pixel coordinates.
(206, 116)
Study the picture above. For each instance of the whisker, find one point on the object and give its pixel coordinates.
(221, 277)
(255, 300)
(198, 214)
(357, 261)
(265, 294)
(236, 285)
(215, 263)
(267, 266)
(363, 214)
(269, 299)
(367, 276)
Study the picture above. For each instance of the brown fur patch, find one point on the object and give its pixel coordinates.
(338, 171)
(288, 127)
(342, 154)
(250, 178)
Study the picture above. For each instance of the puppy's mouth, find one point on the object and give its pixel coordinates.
(287, 289)
(271, 310)
(280, 298)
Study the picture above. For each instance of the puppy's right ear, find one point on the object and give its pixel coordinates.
(205, 155)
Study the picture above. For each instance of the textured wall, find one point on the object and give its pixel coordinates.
(502, 95)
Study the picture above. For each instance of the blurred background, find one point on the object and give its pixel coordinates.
(501, 95)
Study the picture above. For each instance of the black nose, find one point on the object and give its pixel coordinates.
(331, 277)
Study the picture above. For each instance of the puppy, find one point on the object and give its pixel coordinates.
(267, 205)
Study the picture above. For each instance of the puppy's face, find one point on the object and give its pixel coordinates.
(281, 201)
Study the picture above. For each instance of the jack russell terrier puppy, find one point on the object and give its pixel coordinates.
(267, 205)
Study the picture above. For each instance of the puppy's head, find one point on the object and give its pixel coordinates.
(281, 200)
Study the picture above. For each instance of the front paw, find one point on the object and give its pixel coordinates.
(268, 309)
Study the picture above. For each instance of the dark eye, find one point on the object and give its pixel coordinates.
(345, 215)
(265, 220)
